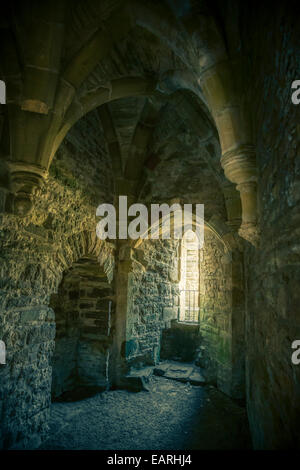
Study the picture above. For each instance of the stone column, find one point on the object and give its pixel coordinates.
(123, 278)
(233, 206)
(238, 153)
(124, 269)
(240, 168)
(43, 55)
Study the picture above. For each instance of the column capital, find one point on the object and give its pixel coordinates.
(239, 164)
(25, 180)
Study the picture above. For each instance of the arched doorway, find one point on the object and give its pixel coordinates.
(83, 309)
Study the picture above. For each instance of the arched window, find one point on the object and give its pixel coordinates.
(2, 352)
(2, 92)
(189, 310)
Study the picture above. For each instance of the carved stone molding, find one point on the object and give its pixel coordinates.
(240, 168)
(25, 181)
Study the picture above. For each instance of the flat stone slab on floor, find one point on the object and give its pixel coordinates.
(145, 372)
(180, 372)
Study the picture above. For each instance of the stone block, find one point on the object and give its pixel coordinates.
(132, 347)
(170, 313)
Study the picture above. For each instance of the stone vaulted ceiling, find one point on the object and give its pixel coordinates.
(165, 141)
(141, 98)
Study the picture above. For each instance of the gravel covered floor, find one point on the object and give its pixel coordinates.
(172, 415)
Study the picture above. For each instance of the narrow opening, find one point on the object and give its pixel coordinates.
(189, 310)
(83, 308)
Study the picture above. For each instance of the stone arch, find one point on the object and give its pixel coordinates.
(81, 244)
(209, 226)
(133, 14)
(158, 20)
(128, 87)
(235, 135)
(28, 166)
(213, 72)
(119, 88)
(31, 269)
(83, 305)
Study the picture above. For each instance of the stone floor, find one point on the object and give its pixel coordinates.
(171, 415)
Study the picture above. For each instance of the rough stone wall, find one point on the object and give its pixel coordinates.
(153, 299)
(273, 270)
(35, 252)
(215, 314)
(96, 312)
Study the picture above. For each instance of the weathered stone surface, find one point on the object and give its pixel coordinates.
(196, 378)
(169, 313)
(135, 383)
(180, 372)
(152, 295)
(82, 333)
(35, 252)
(272, 271)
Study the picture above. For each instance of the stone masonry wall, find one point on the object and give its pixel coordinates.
(215, 314)
(153, 299)
(35, 252)
(273, 270)
(96, 313)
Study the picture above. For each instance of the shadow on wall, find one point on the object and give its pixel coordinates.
(180, 342)
(83, 310)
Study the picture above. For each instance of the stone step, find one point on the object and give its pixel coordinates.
(143, 372)
(180, 372)
(137, 379)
